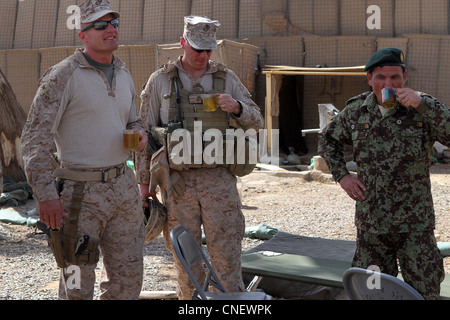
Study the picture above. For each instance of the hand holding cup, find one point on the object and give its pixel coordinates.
(131, 139)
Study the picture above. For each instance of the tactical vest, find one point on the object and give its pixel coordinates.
(191, 102)
(186, 107)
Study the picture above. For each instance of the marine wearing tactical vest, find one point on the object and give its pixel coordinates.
(196, 195)
(186, 107)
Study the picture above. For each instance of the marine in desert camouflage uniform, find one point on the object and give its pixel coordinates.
(208, 196)
(392, 147)
(82, 106)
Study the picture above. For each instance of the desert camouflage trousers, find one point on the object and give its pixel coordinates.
(111, 213)
(418, 256)
(210, 199)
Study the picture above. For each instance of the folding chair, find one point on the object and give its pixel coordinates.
(362, 284)
(188, 251)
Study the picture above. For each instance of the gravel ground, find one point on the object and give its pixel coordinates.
(304, 203)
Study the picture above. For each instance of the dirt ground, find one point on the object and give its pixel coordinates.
(304, 202)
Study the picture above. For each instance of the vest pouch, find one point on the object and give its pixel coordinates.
(245, 156)
(175, 147)
(239, 152)
(182, 154)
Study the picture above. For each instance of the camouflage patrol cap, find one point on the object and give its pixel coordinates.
(200, 32)
(386, 57)
(91, 10)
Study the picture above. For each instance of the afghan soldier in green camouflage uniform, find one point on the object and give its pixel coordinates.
(392, 148)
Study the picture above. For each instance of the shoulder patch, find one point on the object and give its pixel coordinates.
(44, 88)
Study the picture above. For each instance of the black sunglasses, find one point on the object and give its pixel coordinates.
(200, 50)
(102, 25)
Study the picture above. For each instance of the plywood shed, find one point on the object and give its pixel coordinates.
(286, 107)
(12, 120)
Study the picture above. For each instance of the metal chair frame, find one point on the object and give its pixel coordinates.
(356, 286)
(188, 252)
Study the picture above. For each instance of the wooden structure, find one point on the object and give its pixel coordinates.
(273, 84)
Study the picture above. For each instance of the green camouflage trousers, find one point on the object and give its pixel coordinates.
(418, 256)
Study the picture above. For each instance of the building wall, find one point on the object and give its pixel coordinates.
(34, 34)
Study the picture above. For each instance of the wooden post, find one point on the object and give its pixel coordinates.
(158, 295)
(268, 111)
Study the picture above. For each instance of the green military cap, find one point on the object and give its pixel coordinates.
(386, 57)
